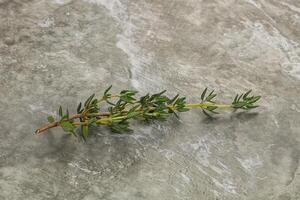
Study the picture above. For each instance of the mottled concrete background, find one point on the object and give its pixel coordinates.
(56, 52)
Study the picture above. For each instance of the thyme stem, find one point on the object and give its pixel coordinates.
(192, 105)
(56, 123)
(127, 106)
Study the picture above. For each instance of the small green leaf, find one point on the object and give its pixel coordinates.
(162, 99)
(203, 94)
(64, 117)
(254, 99)
(211, 92)
(67, 126)
(211, 108)
(246, 94)
(133, 114)
(87, 102)
(183, 109)
(160, 93)
(120, 127)
(173, 112)
(94, 102)
(133, 108)
(60, 112)
(235, 99)
(173, 99)
(206, 113)
(239, 104)
(210, 97)
(239, 98)
(111, 103)
(106, 91)
(252, 106)
(51, 119)
(180, 101)
(92, 121)
(144, 99)
(127, 99)
(85, 131)
(214, 112)
(79, 108)
(176, 115)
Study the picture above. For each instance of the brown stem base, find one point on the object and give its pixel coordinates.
(55, 124)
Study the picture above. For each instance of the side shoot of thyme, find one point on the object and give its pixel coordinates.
(126, 106)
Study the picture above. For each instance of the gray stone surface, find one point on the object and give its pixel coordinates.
(56, 52)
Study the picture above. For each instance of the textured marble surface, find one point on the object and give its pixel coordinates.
(56, 52)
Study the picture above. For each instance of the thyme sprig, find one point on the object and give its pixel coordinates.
(125, 106)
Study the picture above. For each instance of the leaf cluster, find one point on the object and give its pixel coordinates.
(209, 97)
(65, 122)
(244, 101)
(148, 107)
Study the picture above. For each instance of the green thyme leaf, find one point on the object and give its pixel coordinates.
(51, 119)
(79, 108)
(107, 90)
(67, 126)
(60, 112)
(203, 94)
(133, 114)
(206, 113)
(85, 131)
(87, 102)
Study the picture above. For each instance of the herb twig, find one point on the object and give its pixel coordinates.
(126, 105)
